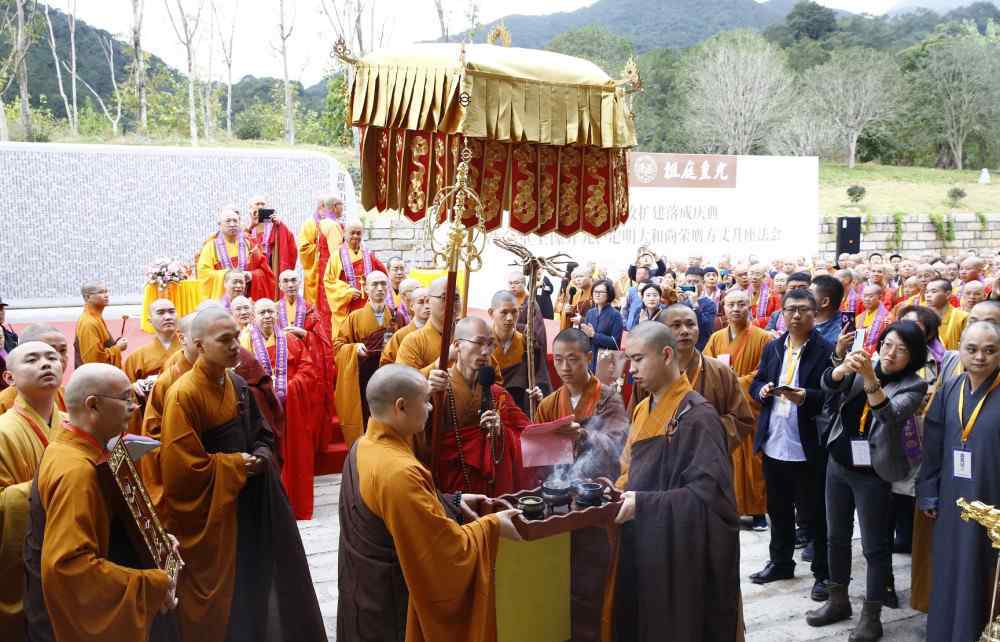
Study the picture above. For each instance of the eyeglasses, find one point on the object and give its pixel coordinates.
(489, 344)
(129, 400)
(801, 310)
(458, 299)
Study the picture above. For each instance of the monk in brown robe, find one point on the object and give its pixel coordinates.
(420, 311)
(511, 352)
(392, 584)
(678, 567)
(34, 369)
(83, 581)
(46, 334)
(740, 345)
(94, 343)
(358, 347)
(517, 283)
(489, 434)
(247, 576)
(422, 348)
(573, 302)
(145, 364)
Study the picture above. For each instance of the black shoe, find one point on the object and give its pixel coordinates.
(820, 591)
(759, 523)
(808, 552)
(802, 537)
(773, 572)
(891, 600)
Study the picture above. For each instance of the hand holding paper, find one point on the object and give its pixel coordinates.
(548, 444)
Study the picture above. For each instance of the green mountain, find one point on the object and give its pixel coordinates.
(938, 6)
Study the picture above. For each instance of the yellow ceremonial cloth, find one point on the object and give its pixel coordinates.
(211, 280)
(309, 252)
(392, 348)
(88, 597)
(185, 296)
(144, 362)
(748, 468)
(20, 454)
(427, 276)
(451, 592)
(347, 393)
(92, 335)
(952, 324)
(647, 423)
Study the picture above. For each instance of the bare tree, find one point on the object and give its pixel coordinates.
(9, 63)
(71, 115)
(227, 57)
(139, 65)
(284, 34)
(806, 130)
(737, 89)
(442, 13)
(108, 47)
(856, 88)
(359, 23)
(185, 26)
(208, 90)
(958, 79)
(71, 24)
(22, 41)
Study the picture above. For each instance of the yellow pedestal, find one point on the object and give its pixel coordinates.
(533, 590)
(185, 295)
(426, 276)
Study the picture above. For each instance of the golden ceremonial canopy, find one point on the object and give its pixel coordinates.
(547, 134)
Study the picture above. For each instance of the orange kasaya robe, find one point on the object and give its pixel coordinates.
(152, 418)
(421, 349)
(300, 401)
(353, 372)
(9, 394)
(88, 597)
(743, 356)
(952, 324)
(339, 288)
(322, 355)
(393, 509)
(392, 348)
(916, 299)
(24, 435)
(319, 237)
(201, 491)
(484, 475)
(647, 423)
(212, 270)
(279, 249)
(145, 362)
(93, 343)
(581, 300)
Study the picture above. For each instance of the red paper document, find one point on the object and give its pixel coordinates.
(541, 445)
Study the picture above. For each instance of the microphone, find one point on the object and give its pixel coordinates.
(572, 292)
(487, 375)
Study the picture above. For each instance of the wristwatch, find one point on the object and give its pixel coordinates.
(870, 390)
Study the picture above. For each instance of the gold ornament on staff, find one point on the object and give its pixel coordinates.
(531, 265)
(989, 518)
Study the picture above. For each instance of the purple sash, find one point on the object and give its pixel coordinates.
(268, 228)
(875, 329)
(223, 255)
(300, 313)
(762, 299)
(348, 266)
(278, 371)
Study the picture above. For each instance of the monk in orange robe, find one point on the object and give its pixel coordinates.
(358, 348)
(226, 504)
(420, 312)
(78, 587)
(287, 362)
(298, 317)
(319, 237)
(874, 318)
(57, 340)
(740, 345)
(344, 278)
(511, 352)
(575, 300)
(93, 339)
(392, 584)
(145, 364)
(952, 318)
(422, 348)
(490, 439)
(274, 239)
(35, 370)
(231, 249)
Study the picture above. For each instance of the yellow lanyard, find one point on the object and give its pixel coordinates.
(969, 425)
(793, 363)
(864, 418)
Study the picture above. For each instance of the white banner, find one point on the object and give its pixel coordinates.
(685, 204)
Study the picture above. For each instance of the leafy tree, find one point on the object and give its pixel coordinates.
(333, 118)
(806, 54)
(656, 108)
(810, 20)
(981, 13)
(596, 44)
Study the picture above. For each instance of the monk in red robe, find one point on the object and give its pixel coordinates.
(274, 238)
(94, 343)
(82, 584)
(344, 278)
(226, 505)
(320, 236)
(57, 341)
(490, 457)
(230, 248)
(145, 364)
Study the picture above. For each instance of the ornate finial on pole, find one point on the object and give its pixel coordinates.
(499, 33)
(343, 52)
(989, 518)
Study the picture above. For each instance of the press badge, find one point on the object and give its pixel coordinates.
(963, 464)
(861, 452)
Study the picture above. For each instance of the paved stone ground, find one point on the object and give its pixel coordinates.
(774, 613)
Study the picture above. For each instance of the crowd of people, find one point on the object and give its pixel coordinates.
(780, 396)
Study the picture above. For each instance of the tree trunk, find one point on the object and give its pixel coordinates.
(140, 66)
(229, 104)
(59, 78)
(957, 150)
(71, 20)
(192, 109)
(21, 43)
(4, 129)
(852, 149)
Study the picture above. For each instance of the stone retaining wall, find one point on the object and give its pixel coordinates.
(919, 235)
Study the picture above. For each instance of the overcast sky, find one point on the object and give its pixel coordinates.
(257, 31)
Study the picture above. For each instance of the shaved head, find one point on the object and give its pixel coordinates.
(184, 325)
(574, 339)
(206, 318)
(653, 335)
(38, 332)
(733, 295)
(35, 369)
(470, 327)
(262, 304)
(376, 275)
(288, 274)
(27, 350)
(409, 285)
(501, 297)
(988, 310)
(354, 225)
(391, 382)
(91, 287)
(92, 379)
(438, 286)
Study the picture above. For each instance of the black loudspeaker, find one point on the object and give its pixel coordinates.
(848, 235)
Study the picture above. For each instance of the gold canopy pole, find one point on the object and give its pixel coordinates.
(989, 518)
